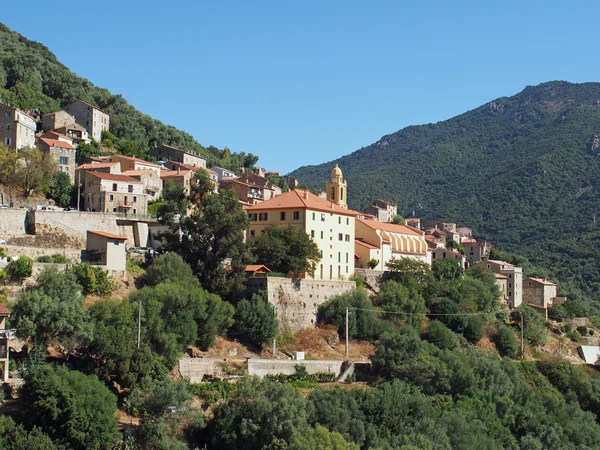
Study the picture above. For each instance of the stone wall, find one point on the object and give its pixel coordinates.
(262, 367)
(72, 223)
(373, 278)
(12, 223)
(296, 301)
(194, 369)
(34, 252)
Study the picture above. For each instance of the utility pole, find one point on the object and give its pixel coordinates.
(347, 349)
(522, 341)
(274, 347)
(139, 322)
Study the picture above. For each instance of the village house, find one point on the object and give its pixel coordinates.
(464, 233)
(246, 193)
(330, 224)
(476, 250)
(223, 173)
(178, 177)
(502, 282)
(65, 124)
(132, 163)
(153, 184)
(383, 210)
(270, 190)
(60, 151)
(106, 249)
(414, 222)
(17, 129)
(443, 226)
(113, 193)
(91, 117)
(390, 240)
(104, 167)
(514, 298)
(541, 294)
(445, 253)
(164, 153)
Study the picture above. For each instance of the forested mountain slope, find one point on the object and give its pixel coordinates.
(522, 171)
(32, 78)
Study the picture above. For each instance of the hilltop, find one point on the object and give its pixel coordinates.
(522, 171)
(32, 78)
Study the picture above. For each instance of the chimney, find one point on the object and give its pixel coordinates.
(306, 195)
(178, 170)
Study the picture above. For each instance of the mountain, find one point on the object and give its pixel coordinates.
(32, 78)
(523, 171)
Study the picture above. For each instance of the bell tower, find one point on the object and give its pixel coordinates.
(336, 188)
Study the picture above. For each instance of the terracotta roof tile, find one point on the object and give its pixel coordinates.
(365, 244)
(391, 227)
(57, 143)
(96, 166)
(112, 176)
(543, 281)
(108, 235)
(302, 199)
(256, 267)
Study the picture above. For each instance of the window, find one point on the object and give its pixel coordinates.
(262, 216)
(444, 255)
(340, 220)
(114, 186)
(314, 216)
(130, 188)
(340, 237)
(7, 141)
(332, 193)
(134, 199)
(509, 285)
(252, 233)
(114, 209)
(312, 234)
(7, 127)
(347, 238)
(339, 257)
(321, 235)
(509, 276)
(322, 217)
(63, 160)
(321, 253)
(346, 260)
(509, 293)
(282, 215)
(7, 115)
(347, 220)
(296, 215)
(111, 197)
(135, 211)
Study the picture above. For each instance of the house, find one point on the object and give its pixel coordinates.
(393, 241)
(91, 117)
(541, 294)
(464, 233)
(502, 282)
(116, 193)
(330, 225)
(257, 270)
(152, 181)
(433, 242)
(5, 336)
(17, 129)
(223, 173)
(76, 133)
(414, 222)
(178, 177)
(270, 190)
(514, 298)
(106, 249)
(57, 119)
(250, 189)
(105, 167)
(444, 253)
(132, 163)
(60, 151)
(383, 210)
(164, 153)
(443, 226)
(476, 250)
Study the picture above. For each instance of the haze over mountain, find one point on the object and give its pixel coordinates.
(523, 171)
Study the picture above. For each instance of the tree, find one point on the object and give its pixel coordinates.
(407, 270)
(8, 166)
(211, 236)
(255, 318)
(202, 186)
(33, 171)
(93, 279)
(373, 263)
(173, 206)
(398, 220)
(20, 268)
(396, 297)
(446, 269)
(534, 324)
(170, 267)
(286, 249)
(76, 410)
(320, 438)
(52, 310)
(61, 189)
(508, 342)
(153, 398)
(441, 336)
(16, 437)
(451, 244)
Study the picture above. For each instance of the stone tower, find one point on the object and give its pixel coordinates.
(337, 191)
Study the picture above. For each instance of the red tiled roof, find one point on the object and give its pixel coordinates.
(543, 281)
(4, 309)
(364, 244)
(86, 103)
(173, 173)
(130, 173)
(108, 235)
(95, 166)
(57, 143)
(302, 199)
(390, 227)
(112, 176)
(137, 160)
(256, 267)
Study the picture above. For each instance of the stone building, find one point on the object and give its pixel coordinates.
(178, 177)
(113, 193)
(17, 129)
(164, 153)
(91, 117)
(445, 253)
(383, 210)
(153, 184)
(476, 251)
(60, 151)
(539, 292)
(132, 163)
(514, 274)
(106, 249)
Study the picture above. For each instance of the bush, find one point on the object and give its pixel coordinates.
(582, 330)
(373, 263)
(20, 268)
(508, 342)
(441, 336)
(568, 327)
(535, 325)
(56, 258)
(557, 312)
(574, 336)
(93, 280)
(256, 319)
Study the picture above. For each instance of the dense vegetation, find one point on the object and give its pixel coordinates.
(31, 78)
(522, 171)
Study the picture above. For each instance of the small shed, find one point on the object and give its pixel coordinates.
(257, 270)
(107, 249)
(589, 353)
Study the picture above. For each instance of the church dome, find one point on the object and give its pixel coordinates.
(336, 172)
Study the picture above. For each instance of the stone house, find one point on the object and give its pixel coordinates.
(164, 153)
(132, 163)
(153, 184)
(104, 167)
(514, 274)
(60, 151)
(414, 222)
(106, 249)
(383, 210)
(17, 129)
(114, 193)
(270, 190)
(178, 177)
(502, 282)
(476, 251)
(329, 225)
(464, 233)
(91, 117)
(393, 241)
(57, 119)
(248, 193)
(443, 226)
(539, 292)
(444, 253)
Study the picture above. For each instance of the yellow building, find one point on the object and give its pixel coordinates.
(337, 188)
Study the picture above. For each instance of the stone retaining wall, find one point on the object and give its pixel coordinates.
(262, 367)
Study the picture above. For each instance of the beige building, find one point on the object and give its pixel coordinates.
(164, 153)
(60, 151)
(336, 188)
(131, 163)
(17, 129)
(57, 119)
(392, 241)
(383, 210)
(106, 249)
(514, 275)
(270, 190)
(178, 177)
(445, 253)
(91, 117)
(443, 226)
(476, 251)
(223, 173)
(539, 292)
(105, 167)
(329, 225)
(502, 282)
(153, 184)
(414, 222)
(114, 193)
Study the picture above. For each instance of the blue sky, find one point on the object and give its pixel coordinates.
(306, 82)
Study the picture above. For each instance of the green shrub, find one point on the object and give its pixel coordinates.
(508, 342)
(93, 280)
(255, 318)
(557, 312)
(20, 268)
(210, 393)
(591, 332)
(442, 336)
(568, 328)
(372, 263)
(56, 258)
(574, 336)
(582, 330)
